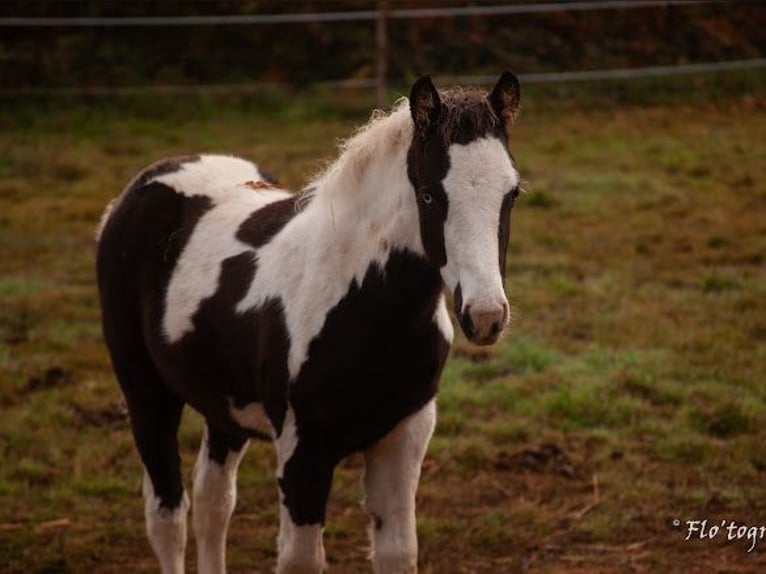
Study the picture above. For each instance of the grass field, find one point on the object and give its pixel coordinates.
(629, 393)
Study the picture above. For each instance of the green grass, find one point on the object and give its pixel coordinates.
(637, 347)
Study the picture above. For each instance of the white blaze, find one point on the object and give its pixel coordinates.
(480, 175)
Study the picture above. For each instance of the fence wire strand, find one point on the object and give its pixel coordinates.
(364, 83)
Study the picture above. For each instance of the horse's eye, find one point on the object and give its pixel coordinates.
(427, 198)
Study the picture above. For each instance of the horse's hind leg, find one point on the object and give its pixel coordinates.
(214, 496)
(155, 414)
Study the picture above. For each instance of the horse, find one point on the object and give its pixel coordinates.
(315, 320)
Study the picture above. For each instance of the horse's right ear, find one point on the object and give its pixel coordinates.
(425, 104)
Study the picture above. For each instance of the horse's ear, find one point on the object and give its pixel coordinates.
(505, 97)
(425, 104)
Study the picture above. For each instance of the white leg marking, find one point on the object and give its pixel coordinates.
(300, 547)
(286, 441)
(215, 495)
(391, 478)
(166, 529)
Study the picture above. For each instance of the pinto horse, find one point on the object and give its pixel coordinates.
(317, 321)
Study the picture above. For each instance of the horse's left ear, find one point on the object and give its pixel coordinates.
(425, 104)
(506, 97)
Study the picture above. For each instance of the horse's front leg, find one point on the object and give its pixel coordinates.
(391, 476)
(305, 478)
(215, 495)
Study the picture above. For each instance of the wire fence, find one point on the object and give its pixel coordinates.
(380, 15)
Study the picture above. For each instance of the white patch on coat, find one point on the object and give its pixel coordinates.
(480, 175)
(197, 273)
(442, 320)
(286, 441)
(392, 472)
(210, 176)
(215, 496)
(363, 207)
(252, 416)
(166, 529)
(300, 548)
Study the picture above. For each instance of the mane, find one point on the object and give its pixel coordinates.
(463, 111)
(384, 133)
(466, 110)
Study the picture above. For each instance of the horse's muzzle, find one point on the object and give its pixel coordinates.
(481, 325)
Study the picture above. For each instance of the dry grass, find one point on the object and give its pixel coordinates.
(629, 392)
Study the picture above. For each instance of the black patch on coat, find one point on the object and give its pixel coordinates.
(160, 168)
(504, 229)
(463, 317)
(467, 116)
(427, 166)
(220, 444)
(258, 229)
(377, 360)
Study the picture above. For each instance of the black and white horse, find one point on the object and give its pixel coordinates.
(316, 320)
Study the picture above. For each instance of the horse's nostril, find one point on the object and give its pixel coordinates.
(495, 329)
(468, 325)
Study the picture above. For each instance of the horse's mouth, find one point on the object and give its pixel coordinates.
(485, 341)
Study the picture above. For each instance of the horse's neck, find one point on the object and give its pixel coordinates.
(370, 212)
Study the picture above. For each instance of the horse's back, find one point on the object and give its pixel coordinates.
(144, 230)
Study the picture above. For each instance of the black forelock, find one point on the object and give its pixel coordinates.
(466, 116)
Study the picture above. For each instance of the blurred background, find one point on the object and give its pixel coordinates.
(627, 399)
